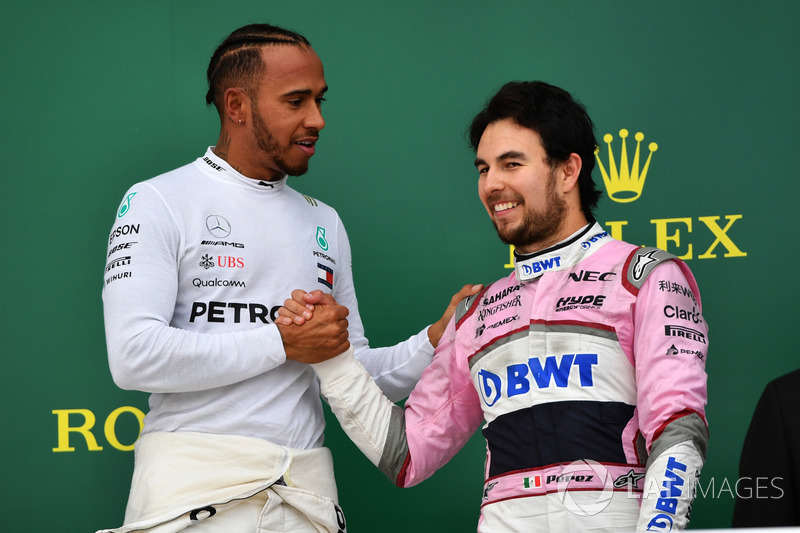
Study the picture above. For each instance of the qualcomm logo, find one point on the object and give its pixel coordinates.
(624, 182)
(556, 370)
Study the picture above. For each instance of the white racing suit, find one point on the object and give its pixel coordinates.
(585, 367)
(199, 261)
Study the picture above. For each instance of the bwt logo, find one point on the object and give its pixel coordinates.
(673, 487)
(529, 269)
(555, 370)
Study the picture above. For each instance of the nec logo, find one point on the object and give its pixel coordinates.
(556, 370)
(590, 275)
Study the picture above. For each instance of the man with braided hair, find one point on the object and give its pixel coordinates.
(584, 366)
(199, 261)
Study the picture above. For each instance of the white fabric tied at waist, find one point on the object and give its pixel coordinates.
(183, 477)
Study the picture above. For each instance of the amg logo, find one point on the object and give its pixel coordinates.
(222, 243)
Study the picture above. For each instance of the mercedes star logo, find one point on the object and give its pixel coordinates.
(218, 226)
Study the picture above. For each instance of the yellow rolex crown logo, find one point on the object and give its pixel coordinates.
(624, 183)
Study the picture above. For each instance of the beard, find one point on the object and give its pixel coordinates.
(536, 226)
(266, 142)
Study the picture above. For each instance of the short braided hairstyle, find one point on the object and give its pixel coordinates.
(237, 60)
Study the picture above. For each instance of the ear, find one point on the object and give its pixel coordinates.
(571, 169)
(236, 105)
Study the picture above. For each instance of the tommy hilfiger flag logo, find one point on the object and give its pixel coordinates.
(325, 274)
(534, 482)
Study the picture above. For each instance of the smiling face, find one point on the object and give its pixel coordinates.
(286, 110)
(519, 189)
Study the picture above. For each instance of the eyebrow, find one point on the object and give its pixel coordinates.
(303, 92)
(510, 154)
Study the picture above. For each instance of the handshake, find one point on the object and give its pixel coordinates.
(313, 325)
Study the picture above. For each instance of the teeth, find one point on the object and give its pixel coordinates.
(504, 206)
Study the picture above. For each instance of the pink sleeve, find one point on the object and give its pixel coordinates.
(442, 412)
(670, 349)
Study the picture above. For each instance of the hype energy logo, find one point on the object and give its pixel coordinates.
(625, 170)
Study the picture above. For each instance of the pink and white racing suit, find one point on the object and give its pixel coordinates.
(586, 368)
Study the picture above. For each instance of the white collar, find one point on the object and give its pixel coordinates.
(565, 254)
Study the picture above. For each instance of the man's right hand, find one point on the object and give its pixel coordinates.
(319, 338)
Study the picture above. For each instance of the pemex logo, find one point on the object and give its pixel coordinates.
(624, 181)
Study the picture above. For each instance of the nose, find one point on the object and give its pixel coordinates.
(314, 118)
(492, 181)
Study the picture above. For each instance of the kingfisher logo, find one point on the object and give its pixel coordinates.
(541, 373)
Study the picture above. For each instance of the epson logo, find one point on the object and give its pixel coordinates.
(127, 229)
(555, 371)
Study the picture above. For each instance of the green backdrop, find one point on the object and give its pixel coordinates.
(98, 95)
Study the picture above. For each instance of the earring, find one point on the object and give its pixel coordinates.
(240, 122)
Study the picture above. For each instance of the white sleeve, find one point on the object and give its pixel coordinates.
(140, 292)
(363, 411)
(396, 369)
(669, 488)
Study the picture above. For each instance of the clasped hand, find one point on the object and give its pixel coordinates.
(313, 327)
